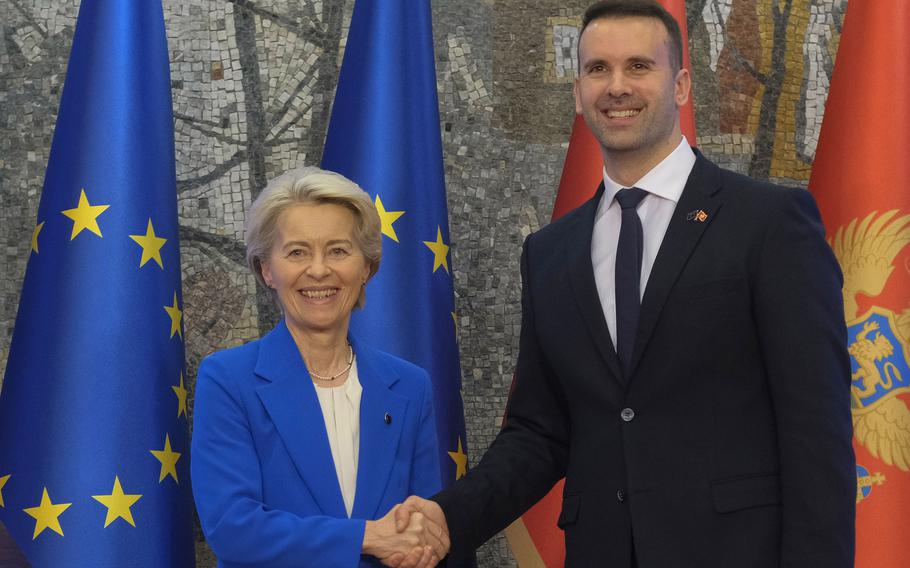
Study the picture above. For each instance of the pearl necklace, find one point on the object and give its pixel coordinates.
(341, 372)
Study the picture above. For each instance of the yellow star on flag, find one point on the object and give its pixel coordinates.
(461, 461)
(85, 216)
(3, 481)
(118, 504)
(46, 515)
(151, 245)
(180, 391)
(35, 233)
(387, 218)
(440, 250)
(176, 315)
(168, 459)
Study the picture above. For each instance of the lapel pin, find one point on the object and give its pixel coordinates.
(698, 216)
(388, 418)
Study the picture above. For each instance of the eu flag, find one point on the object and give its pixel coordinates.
(93, 425)
(384, 135)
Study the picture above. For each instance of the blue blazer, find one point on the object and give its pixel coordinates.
(263, 475)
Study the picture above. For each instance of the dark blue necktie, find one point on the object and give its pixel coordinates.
(628, 274)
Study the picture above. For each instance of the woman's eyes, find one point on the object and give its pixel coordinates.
(334, 252)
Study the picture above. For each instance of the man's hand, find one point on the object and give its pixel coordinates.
(432, 515)
(415, 545)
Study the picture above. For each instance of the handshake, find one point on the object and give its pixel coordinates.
(413, 534)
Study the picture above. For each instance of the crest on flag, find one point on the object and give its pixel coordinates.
(877, 339)
(865, 481)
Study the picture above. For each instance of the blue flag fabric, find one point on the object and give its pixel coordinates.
(93, 425)
(384, 135)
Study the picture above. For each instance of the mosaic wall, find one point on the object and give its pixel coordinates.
(252, 85)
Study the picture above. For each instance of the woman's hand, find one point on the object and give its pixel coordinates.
(415, 547)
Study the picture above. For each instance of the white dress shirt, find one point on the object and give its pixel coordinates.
(341, 412)
(664, 184)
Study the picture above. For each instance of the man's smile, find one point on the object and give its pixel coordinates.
(627, 113)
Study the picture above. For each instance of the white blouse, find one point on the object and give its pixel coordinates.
(341, 412)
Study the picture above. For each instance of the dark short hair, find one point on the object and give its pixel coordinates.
(606, 9)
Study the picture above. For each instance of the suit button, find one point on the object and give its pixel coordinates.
(627, 414)
(621, 495)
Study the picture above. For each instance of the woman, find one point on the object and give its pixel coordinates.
(301, 436)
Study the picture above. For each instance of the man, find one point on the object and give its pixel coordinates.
(709, 425)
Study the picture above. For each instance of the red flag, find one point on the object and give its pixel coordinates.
(582, 171)
(535, 540)
(861, 179)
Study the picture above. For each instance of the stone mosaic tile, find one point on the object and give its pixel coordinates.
(714, 15)
(819, 48)
(562, 49)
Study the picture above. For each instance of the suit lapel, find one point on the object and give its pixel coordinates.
(291, 402)
(581, 274)
(379, 436)
(679, 241)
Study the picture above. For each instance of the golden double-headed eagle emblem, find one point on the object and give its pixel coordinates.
(866, 250)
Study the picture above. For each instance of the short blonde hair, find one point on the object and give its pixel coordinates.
(316, 186)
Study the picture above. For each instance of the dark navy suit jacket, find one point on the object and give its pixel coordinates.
(729, 443)
(262, 470)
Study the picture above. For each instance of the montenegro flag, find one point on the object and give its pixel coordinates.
(861, 180)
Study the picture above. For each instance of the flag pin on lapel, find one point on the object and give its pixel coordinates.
(698, 216)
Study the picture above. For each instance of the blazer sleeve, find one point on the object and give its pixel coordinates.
(227, 486)
(799, 315)
(425, 469)
(527, 457)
